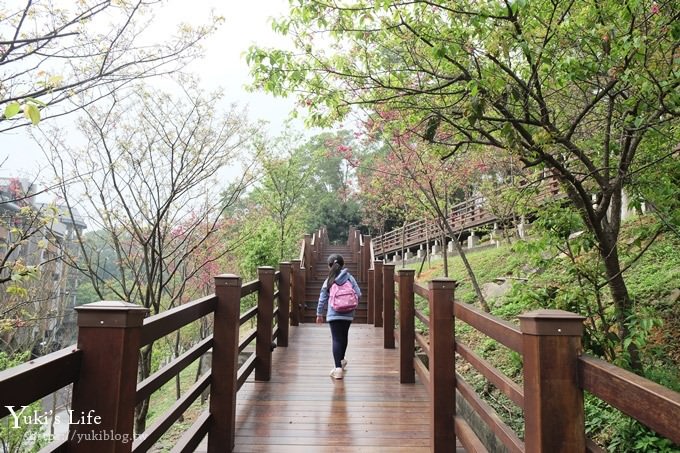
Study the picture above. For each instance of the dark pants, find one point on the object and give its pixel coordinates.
(339, 331)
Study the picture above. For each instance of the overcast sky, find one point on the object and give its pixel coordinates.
(246, 22)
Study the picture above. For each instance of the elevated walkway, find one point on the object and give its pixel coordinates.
(301, 409)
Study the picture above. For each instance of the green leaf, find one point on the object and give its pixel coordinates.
(12, 109)
(36, 101)
(31, 112)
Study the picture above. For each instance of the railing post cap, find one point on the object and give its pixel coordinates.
(295, 261)
(406, 271)
(265, 270)
(227, 280)
(111, 313)
(389, 265)
(551, 322)
(284, 263)
(442, 283)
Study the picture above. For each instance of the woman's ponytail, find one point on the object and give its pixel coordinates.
(335, 263)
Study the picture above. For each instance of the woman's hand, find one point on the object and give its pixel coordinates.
(319, 319)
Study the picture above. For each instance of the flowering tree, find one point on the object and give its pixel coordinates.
(587, 90)
(412, 175)
(149, 172)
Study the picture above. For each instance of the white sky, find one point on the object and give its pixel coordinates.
(246, 23)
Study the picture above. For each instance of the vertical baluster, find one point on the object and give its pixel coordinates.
(407, 336)
(378, 294)
(388, 306)
(224, 371)
(370, 297)
(109, 334)
(442, 366)
(553, 400)
(298, 290)
(284, 304)
(265, 318)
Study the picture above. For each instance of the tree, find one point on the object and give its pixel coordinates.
(81, 52)
(149, 172)
(582, 89)
(331, 199)
(286, 172)
(417, 179)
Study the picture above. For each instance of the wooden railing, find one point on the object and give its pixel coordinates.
(362, 249)
(555, 372)
(103, 366)
(469, 214)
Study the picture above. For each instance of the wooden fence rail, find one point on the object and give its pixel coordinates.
(555, 372)
(471, 213)
(103, 366)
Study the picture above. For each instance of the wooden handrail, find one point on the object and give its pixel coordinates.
(492, 374)
(464, 215)
(496, 328)
(164, 323)
(648, 402)
(28, 382)
(504, 433)
(555, 374)
(156, 380)
(108, 357)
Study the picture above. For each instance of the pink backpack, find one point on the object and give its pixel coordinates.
(342, 298)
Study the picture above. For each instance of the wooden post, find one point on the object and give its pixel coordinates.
(284, 304)
(553, 400)
(295, 300)
(301, 294)
(378, 294)
(309, 254)
(109, 334)
(388, 306)
(442, 365)
(223, 385)
(366, 257)
(407, 326)
(369, 296)
(265, 319)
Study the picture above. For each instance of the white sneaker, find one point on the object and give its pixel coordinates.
(336, 373)
(343, 362)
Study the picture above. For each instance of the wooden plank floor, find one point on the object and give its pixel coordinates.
(303, 410)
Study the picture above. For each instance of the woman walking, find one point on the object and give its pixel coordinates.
(339, 304)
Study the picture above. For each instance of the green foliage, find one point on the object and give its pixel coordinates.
(261, 246)
(336, 215)
(620, 433)
(17, 436)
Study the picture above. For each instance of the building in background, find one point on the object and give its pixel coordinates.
(36, 313)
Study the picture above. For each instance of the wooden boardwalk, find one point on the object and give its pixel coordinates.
(303, 410)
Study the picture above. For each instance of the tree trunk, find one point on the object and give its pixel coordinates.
(178, 380)
(468, 268)
(623, 305)
(144, 371)
(445, 255)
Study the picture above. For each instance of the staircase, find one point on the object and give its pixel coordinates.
(318, 276)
